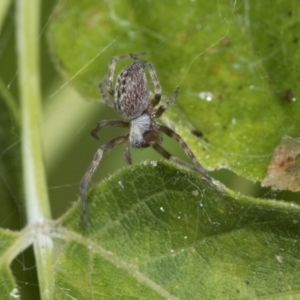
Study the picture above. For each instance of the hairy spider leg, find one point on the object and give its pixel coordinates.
(107, 82)
(136, 56)
(112, 67)
(127, 155)
(170, 157)
(165, 105)
(113, 123)
(91, 170)
(157, 86)
(169, 132)
(105, 123)
(111, 71)
(107, 101)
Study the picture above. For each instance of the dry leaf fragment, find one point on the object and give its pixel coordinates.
(284, 169)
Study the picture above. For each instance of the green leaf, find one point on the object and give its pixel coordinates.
(158, 232)
(8, 286)
(236, 63)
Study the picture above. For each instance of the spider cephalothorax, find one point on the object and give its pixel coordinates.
(131, 97)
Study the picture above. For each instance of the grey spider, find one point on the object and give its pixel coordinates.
(132, 99)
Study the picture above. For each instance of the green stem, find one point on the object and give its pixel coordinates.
(36, 196)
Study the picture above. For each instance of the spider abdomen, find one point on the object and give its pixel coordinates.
(132, 92)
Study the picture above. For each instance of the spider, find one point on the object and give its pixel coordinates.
(132, 100)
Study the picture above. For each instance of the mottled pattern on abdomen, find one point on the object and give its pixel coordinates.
(132, 92)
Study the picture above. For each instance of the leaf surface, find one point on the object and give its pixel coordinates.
(236, 63)
(178, 237)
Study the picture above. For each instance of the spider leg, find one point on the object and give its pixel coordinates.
(112, 67)
(107, 101)
(157, 87)
(111, 71)
(164, 106)
(104, 123)
(108, 82)
(197, 166)
(170, 157)
(127, 155)
(91, 170)
(136, 56)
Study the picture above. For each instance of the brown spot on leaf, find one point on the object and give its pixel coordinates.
(289, 95)
(284, 169)
(197, 133)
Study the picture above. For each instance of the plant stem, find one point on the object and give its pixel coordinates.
(36, 196)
